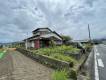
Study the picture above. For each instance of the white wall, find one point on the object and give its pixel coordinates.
(32, 44)
(28, 44)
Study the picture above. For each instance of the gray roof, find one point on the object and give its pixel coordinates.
(80, 40)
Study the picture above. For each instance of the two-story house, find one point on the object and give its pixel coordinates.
(42, 37)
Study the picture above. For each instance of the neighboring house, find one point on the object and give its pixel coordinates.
(42, 37)
(81, 41)
(78, 43)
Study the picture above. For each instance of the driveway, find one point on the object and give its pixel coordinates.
(16, 66)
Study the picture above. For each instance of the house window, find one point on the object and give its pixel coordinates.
(44, 32)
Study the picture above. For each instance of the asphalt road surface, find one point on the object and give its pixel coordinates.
(100, 62)
(16, 66)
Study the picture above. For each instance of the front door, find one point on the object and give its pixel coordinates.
(37, 44)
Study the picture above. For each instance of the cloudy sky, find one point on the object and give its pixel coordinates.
(70, 17)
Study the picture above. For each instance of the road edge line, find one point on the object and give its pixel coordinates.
(100, 63)
(96, 66)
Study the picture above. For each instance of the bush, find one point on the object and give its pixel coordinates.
(73, 74)
(60, 75)
(64, 75)
(52, 43)
(88, 47)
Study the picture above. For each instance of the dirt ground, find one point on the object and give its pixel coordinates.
(16, 66)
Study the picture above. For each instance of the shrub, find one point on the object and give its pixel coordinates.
(52, 43)
(73, 74)
(88, 47)
(60, 75)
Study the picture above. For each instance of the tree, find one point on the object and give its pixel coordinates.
(1, 46)
(66, 38)
(52, 43)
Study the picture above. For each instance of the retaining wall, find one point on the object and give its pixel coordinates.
(51, 62)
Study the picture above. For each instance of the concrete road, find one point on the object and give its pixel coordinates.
(16, 66)
(100, 62)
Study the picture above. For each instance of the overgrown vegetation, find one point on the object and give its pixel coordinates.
(64, 74)
(73, 74)
(88, 47)
(58, 52)
(52, 43)
(66, 38)
(60, 75)
(57, 49)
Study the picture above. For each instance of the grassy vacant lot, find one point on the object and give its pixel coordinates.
(58, 52)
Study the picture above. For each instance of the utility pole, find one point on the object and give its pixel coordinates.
(89, 33)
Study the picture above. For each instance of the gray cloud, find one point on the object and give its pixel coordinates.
(19, 17)
(90, 2)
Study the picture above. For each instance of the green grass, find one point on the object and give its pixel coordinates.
(63, 57)
(60, 75)
(57, 49)
(2, 54)
(57, 52)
